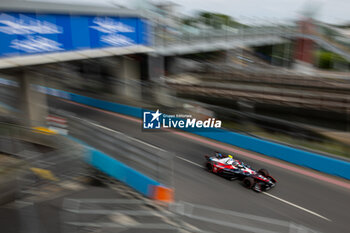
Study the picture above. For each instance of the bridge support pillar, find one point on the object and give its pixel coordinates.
(156, 67)
(128, 73)
(157, 73)
(33, 104)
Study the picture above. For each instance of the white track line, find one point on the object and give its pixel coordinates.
(270, 195)
(296, 206)
(196, 164)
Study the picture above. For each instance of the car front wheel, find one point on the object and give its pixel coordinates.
(249, 182)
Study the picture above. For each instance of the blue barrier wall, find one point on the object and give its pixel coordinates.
(126, 174)
(118, 170)
(303, 158)
(300, 157)
(110, 106)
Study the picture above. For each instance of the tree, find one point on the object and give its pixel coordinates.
(211, 19)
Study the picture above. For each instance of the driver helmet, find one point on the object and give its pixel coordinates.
(237, 164)
(218, 155)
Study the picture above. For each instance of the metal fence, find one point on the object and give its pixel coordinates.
(61, 157)
(150, 160)
(15, 133)
(131, 215)
(163, 38)
(118, 214)
(227, 219)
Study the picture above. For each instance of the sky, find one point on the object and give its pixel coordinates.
(249, 11)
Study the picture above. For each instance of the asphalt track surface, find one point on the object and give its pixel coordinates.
(322, 205)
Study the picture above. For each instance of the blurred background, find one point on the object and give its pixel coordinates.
(274, 70)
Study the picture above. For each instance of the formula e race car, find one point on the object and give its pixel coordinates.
(226, 166)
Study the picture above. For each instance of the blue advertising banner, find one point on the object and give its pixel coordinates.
(30, 33)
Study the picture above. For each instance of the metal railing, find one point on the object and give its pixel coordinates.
(16, 132)
(63, 158)
(150, 160)
(163, 38)
(228, 219)
(132, 214)
(242, 36)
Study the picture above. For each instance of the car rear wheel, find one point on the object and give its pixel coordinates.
(263, 172)
(249, 182)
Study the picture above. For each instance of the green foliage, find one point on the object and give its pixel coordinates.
(345, 26)
(214, 20)
(189, 21)
(326, 59)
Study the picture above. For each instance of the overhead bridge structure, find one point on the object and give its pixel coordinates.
(35, 33)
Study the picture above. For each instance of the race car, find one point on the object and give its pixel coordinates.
(226, 166)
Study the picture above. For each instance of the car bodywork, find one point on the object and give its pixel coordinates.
(234, 169)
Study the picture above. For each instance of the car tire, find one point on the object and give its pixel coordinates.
(209, 167)
(263, 172)
(248, 182)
